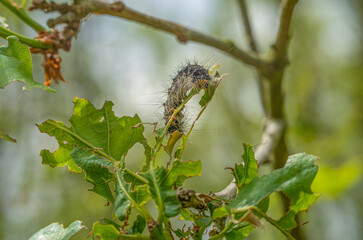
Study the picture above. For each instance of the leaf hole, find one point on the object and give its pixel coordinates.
(101, 120)
(276, 205)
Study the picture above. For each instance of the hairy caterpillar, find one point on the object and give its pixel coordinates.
(189, 77)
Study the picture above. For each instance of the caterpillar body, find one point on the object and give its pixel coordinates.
(189, 77)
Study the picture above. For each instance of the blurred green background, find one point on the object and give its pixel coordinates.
(132, 65)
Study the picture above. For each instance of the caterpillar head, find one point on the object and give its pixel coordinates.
(200, 75)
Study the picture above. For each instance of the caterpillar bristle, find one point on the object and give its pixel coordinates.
(190, 76)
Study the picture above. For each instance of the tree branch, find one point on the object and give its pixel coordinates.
(247, 25)
(183, 34)
(273, 140)
(282, 38)
(279, 53)
(271, 136)
(253, 46)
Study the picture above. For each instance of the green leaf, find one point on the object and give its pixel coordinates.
(186, 215)
(96, 170)
(245, 173)
(205, 221)
(108, 221)
(173, 138)
(240, 233)
(167, 201)
(97, 130)
(109, 232)
(105, 232)
(220, 212)
(181, 170)
(179, 150)
(179, 233)
(55, 231)
(208, 95)
(294, 180)
(16, 65)
(7, 137)
(140, 195)
(163, 184)
(139, 225)
(61, 157)
(122, 204)
(156, 233)
(132, 179)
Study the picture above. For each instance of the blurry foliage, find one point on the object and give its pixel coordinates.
(324, 102)
(334, 181)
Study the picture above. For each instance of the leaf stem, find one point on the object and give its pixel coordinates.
(141, 209)
(97, 150)
(273, 222)
(23, 16)
(4, 33)
(160, 200)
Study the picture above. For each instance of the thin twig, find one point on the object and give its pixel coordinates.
(4, 33)
(247, 25)
(280, 61)
(273, 222)
(253, 46)
(23, 16)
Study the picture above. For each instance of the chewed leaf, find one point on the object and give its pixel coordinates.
(181, 170)
(294, 180)
(98, 130)
(179, 151)
(55, 231)
(173, 138)
(162, 192)
(96, 171)
(127, 196)
(16, 65)
(105, 231)
(240, 233)
(209, 92)
(139, 225)
(108, 231)
(122, 204)
(245, 173)
(60, 158)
